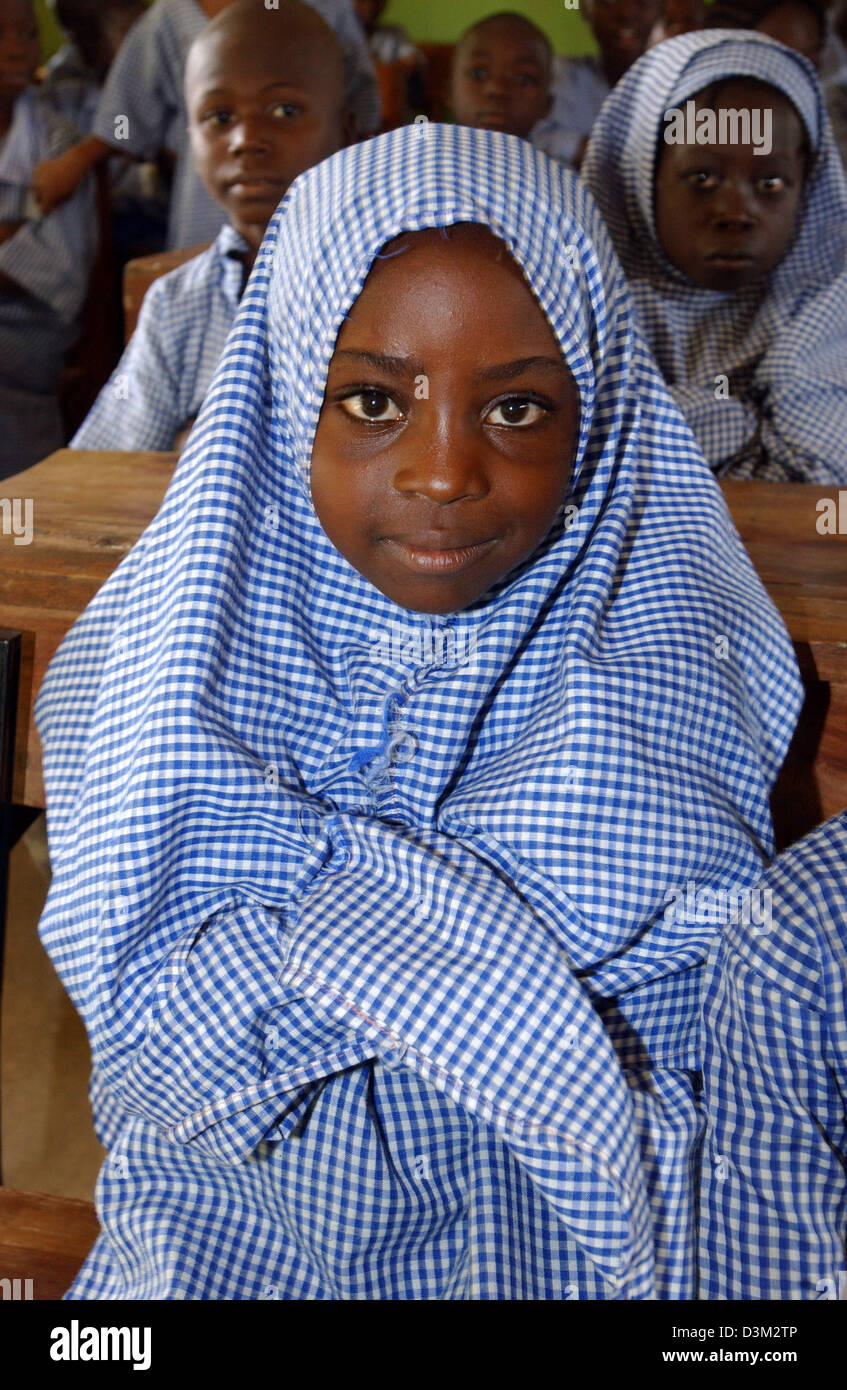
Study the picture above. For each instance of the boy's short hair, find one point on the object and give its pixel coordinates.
(512, 17)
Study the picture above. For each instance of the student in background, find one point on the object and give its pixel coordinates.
(677, 17)
(500, 78)
(580, 85)
(737, 260)
(372, 769)
(390, 45)
(73, 85)
(265, 93)
(44, 261)
(142, 109)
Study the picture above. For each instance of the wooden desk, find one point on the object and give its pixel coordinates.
(89, 510)
(45, 1240)
(91, 507)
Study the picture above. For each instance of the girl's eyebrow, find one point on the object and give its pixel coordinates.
(396, 366)
(411, 366)
(504, 371)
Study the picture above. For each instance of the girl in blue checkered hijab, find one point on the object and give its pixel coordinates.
(735, 247)
(377, 769)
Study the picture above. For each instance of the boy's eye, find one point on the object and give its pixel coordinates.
(527, 79)
(216, 118)
(374, 406)
(285, 110)
(516, 411)
(477, 74)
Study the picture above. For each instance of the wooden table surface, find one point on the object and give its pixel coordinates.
(90, 508)
(44, 1239)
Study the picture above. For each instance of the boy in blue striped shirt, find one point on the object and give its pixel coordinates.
(265, 91)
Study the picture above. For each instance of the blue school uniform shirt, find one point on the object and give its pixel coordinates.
(365, 909)
(145, 85)
(759, 373)
(774, 1170)
(49, 258)
(579, 88)
(163, 376)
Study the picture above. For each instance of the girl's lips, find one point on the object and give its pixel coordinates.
(428, 560)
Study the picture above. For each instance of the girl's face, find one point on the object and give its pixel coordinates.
(447, 434)
(725, 215)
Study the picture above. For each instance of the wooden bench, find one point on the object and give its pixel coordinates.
(43, 1242)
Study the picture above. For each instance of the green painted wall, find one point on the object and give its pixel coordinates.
(436, 21)
(442, 21)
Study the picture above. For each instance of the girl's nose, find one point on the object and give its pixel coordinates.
(734, 205)
(442, 470)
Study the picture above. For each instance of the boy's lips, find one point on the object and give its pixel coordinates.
(253, 185)
(438, 554)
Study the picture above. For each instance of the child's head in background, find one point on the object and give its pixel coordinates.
(621, 28)
(97, 27)
(265, 92)
(799, 24)
(501, 75)
(436, 495)
(370, 13)
(726, 211)
(20, 54)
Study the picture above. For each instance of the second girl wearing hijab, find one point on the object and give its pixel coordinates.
(735, 251)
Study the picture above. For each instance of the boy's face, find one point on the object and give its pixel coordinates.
(725, 216)
(446, 439)
(369, 12)
(260, 114)
(20, 49)
(622, 28)
(501, 79)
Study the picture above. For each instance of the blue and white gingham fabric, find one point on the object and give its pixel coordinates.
(365, 910)
(49, 258)
(162, 378)
(782, 345)
(145, 84)
(774, 1181)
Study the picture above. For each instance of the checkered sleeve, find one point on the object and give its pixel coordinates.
(140, 405)
(774, 1191)
(431, 954)
(136, 106)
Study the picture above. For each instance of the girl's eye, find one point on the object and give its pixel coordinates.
(700, 178)
(516, 411)
(373, 406)
(772, 183)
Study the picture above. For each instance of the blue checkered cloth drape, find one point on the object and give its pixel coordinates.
(367, 1026)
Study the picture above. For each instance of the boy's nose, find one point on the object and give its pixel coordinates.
(248, 134)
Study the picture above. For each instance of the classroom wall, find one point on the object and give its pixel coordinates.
(435, 21)
(442, 21)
